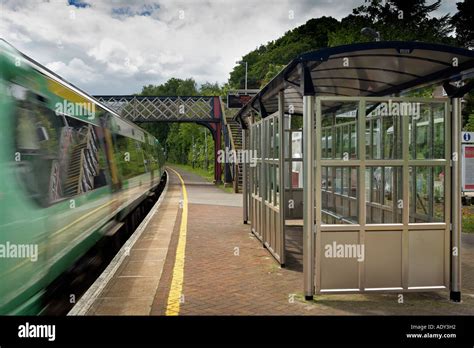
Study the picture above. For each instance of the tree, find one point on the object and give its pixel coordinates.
(210, 89)
(468, 112)
(185, 142)
(463, 23)
(171, 87)
(406, 20)
(273, 70)
(312, 35)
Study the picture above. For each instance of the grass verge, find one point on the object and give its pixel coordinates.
(468, 219)
(207, 175)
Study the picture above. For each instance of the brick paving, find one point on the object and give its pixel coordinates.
(228, 272)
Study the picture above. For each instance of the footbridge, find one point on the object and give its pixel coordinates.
(204, 110)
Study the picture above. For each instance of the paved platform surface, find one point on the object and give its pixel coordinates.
(131, 289)
(226, 271)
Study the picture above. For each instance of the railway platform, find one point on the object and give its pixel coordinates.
(192, 255)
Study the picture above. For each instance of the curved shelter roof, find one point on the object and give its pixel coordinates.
(365, 69)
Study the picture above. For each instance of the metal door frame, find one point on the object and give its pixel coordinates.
(313, 226)
(265, 207)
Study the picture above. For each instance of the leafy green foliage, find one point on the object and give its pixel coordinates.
(186, 143)
(267, 58)
(273, 70)
(468, 112)
(463, 23)
(172, 87)
(399, 20)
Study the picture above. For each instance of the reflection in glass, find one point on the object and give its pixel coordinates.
(427, 132)
(427, 194)
(339, 130)
(383, 195)
(339, 195)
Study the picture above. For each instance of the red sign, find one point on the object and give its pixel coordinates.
(469, 152)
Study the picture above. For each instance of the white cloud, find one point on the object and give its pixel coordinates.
(110, 48)
(75, 70)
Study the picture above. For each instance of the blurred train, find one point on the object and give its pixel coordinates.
(71, 172)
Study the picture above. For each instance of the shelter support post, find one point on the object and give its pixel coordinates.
(217, 147)
(282, 172)
(456, 214)
(244, 164)
(308, 196)
(227, 165)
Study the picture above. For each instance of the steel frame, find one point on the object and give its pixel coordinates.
(361, 163)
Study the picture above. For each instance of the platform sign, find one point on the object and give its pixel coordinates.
(468, 168)
(467, 137)
(237, 99)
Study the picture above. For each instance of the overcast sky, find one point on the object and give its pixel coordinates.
(117, 46)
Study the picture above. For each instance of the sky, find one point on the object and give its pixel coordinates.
(118, 46)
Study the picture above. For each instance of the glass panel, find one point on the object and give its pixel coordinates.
(296, 122)
(277, 185)
(427, 194)
(439, 140)
(257, 179)
(297, 174)
(269, 169)
(339, 195)
(383, 130)
(296, 145)
(427, 131)
(129, 156)
(270, 139)
(258, 137)
(383, 194)
(277, 139)
(297, 156)
(339, 130)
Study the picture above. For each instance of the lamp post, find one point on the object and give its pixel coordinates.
(246, 69)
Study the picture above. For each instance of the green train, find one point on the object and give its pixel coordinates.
(70, 171)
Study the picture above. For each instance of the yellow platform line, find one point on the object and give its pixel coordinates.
(174, 296)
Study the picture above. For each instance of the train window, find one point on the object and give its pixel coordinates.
(151, 160)
(82, 158)
(59, 156)
(37, 144)
(130, 156)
